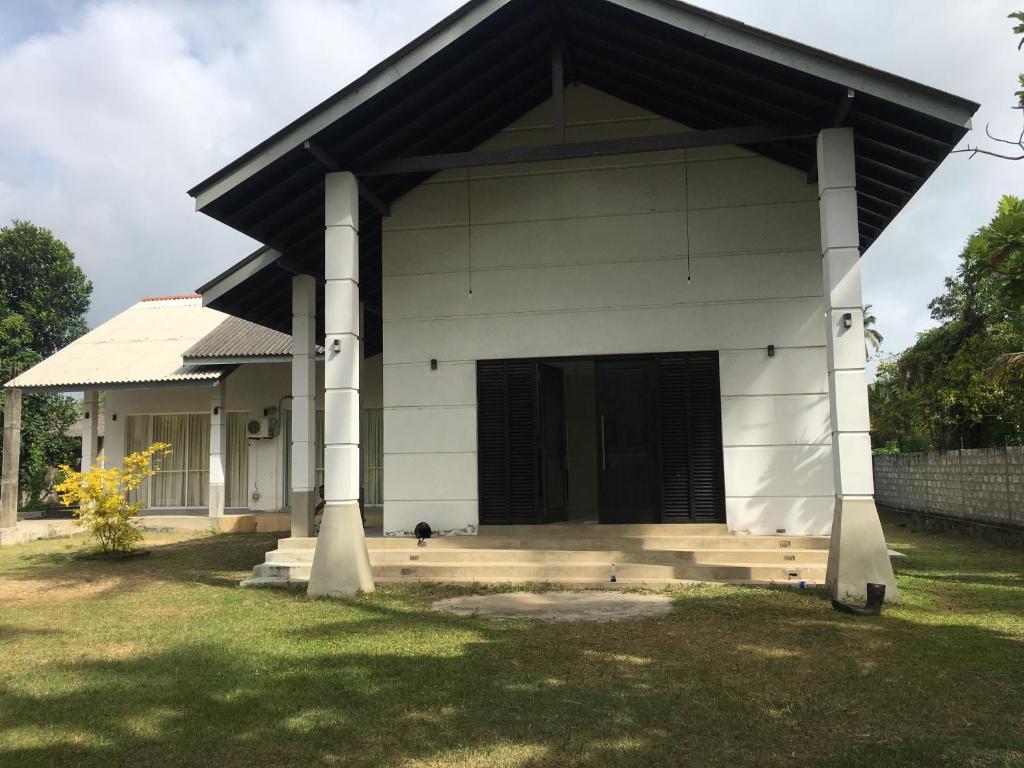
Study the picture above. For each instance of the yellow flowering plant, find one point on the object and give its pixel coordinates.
(101, 496)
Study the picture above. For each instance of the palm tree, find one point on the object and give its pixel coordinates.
(1007, 368)
(872, 338)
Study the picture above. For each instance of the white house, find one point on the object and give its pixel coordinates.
(608, 252)
(217, 389)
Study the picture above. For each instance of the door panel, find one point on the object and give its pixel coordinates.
(507, 442)
(553, 449)
(692, 475)
(627, 440)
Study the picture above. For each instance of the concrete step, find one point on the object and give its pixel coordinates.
(663, 557)
(676, 543)
(574, 572)
(711, 556)
(595, 529)
(596, 572)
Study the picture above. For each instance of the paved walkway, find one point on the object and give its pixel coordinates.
(558, 606)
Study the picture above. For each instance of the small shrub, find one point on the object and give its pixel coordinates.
(101, 496)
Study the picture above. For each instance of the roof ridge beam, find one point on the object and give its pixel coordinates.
(751, 134)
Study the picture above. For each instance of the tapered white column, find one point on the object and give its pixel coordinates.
(12, 455)
(90, 429)
(218, 422)
(303, 469)
(857, 552)
(341, 565)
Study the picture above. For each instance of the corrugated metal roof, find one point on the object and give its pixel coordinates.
(240, 338)
(142, 345)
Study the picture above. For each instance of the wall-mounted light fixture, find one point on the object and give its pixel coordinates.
(115, 417)
(848, 320)
(87, 415)
(336, 346)
(771, 350)
(216, 410)
(433, 363)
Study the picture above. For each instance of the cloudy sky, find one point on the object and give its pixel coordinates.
(110, 110)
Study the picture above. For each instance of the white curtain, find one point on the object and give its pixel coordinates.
(373, 457)
(136, 436)
(236, 482)
(318, 452)
(198, 482)
(170, 482)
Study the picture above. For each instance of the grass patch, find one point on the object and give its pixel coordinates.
(164, 661)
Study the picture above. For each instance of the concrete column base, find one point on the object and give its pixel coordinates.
(302, 513)
(857, 553)
(341, 564)
(216, 500)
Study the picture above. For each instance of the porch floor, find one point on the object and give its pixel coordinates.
(578, 555)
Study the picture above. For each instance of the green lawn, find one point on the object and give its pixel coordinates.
(164, 661)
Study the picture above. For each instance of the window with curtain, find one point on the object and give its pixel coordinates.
(236, 481)
(373, 456)
(197, 483)
(169, 483)
(136, 437)
(319, 453)
(183, 479)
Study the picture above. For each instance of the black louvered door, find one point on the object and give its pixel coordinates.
(508, 439)
(689, 403)
(627, 450)
(659, 440)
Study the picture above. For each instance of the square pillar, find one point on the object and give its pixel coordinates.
(12, 455)
(90, 429)
(218, 450)
(303, 470)
(341, 564)
(857, 551)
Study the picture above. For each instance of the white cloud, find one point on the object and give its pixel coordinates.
(111, 110)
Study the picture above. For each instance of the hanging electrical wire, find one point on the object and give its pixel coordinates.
(686, 211)
(469, 229)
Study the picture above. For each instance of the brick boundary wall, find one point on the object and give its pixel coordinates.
(980, 485)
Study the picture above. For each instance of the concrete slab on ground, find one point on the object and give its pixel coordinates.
(558, 606)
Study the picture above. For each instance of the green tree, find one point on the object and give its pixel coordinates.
(44, 296)
(940, 393)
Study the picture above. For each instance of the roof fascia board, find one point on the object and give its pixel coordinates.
(83, 387)
(243, 360)
(719, 29)
(237, 274)
(375, 81)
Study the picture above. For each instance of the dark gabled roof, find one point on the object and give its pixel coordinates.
(489, 63)
(237, 338)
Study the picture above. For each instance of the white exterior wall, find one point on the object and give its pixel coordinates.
(588, 257)
(251, 388)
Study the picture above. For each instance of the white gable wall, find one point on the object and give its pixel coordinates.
(587, 257)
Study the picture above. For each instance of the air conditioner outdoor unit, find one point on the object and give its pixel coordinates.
(258, 429)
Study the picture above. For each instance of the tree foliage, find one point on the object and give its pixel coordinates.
(44, 296)
(101, 497)
(940, 393)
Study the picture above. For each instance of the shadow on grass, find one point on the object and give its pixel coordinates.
(731, 678)
(218, 560)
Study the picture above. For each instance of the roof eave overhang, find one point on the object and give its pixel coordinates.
(237, 274)
(107, 386)
(953, 110)
(373, 82)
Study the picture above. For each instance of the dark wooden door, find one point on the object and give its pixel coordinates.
(553, 459)
(627, 440)
(690, 420)
(507, 442)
